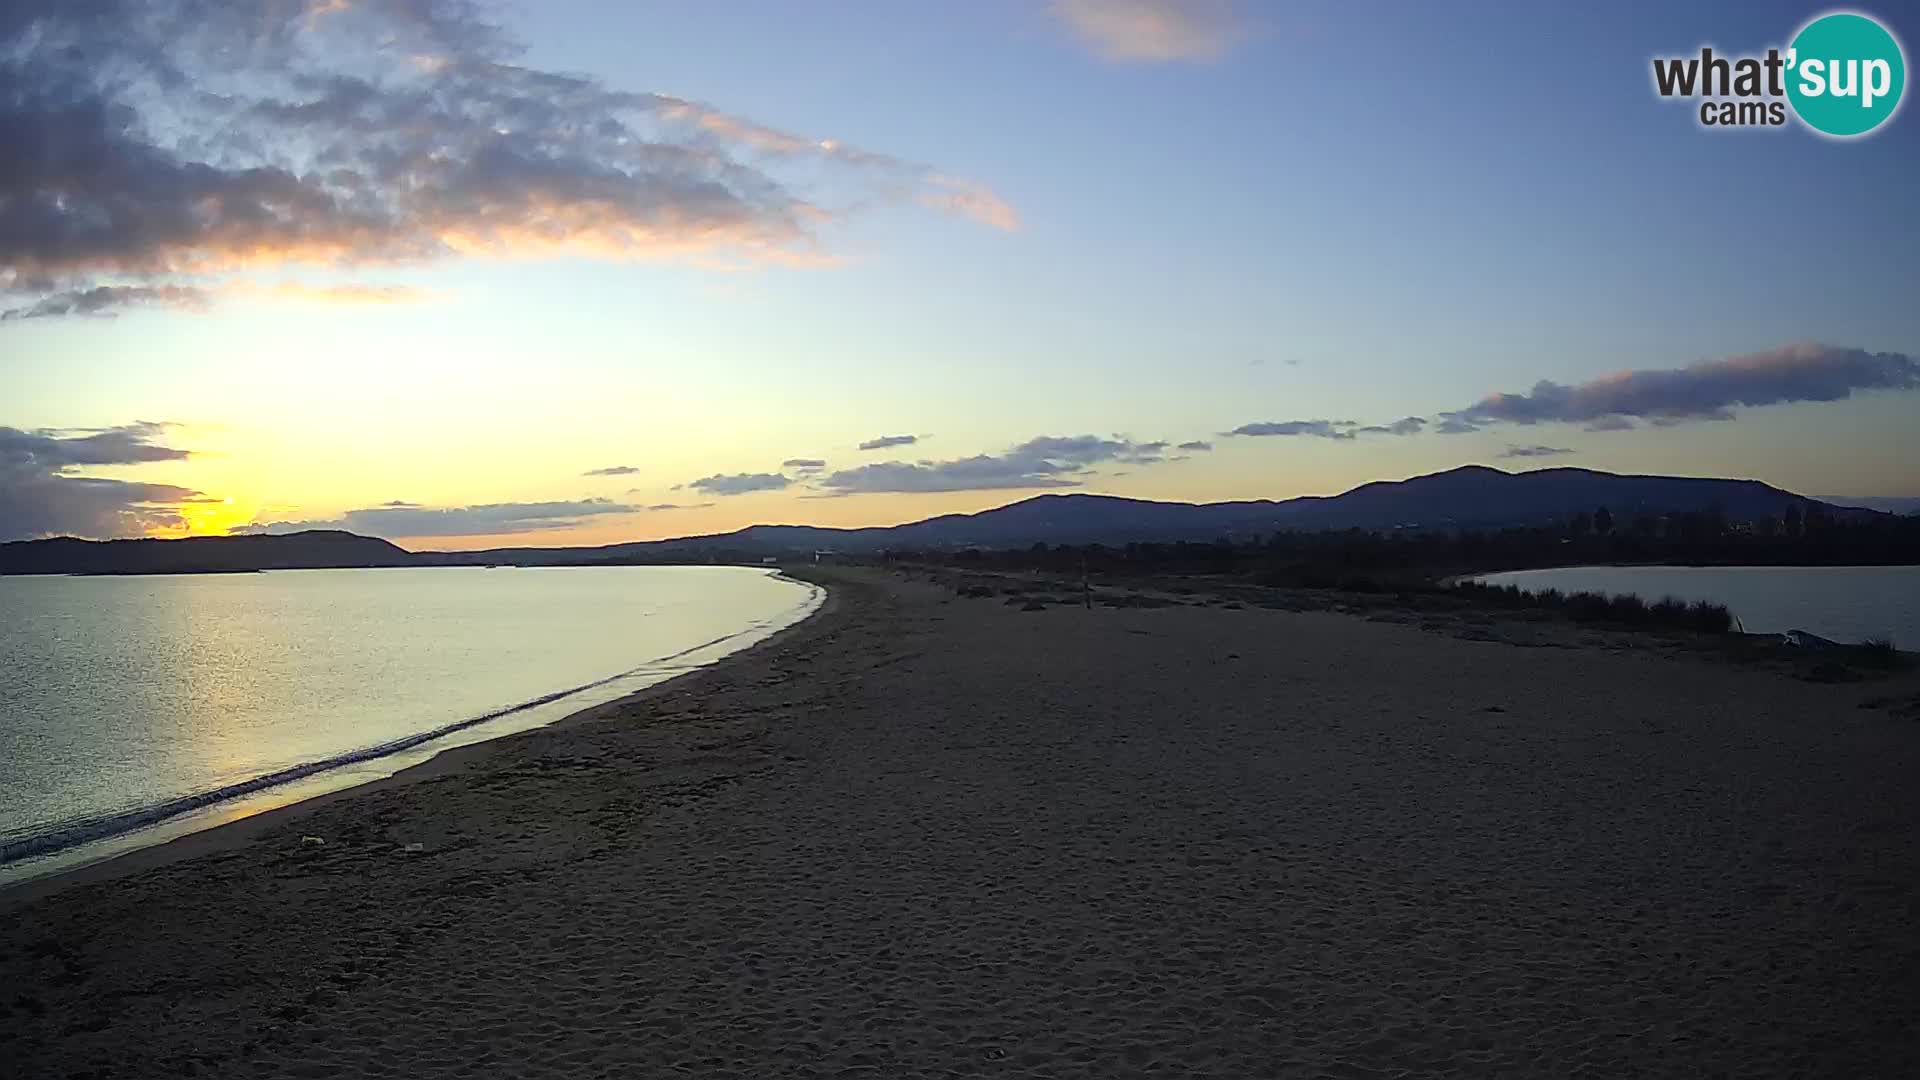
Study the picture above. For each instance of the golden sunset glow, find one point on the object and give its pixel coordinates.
(462, 277)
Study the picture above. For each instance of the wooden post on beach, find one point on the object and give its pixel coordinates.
(1086, 586)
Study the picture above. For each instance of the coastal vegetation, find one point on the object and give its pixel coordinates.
(1431, 570)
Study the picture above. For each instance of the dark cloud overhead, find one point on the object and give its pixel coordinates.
(150, 141)
(887, 442)
(1534, 451)
(1708, 390)
(1196, 445)
(41, 494)
(62, 448)
(612, 470)
(804, 464)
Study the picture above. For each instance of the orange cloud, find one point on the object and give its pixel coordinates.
(351, 293)
(442, 147)
(1153, 30)
(971, 200)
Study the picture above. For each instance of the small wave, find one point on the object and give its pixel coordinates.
(79, 831)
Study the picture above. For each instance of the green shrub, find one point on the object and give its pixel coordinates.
(1624, 609)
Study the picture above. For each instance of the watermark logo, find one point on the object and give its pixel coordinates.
(1843, 75)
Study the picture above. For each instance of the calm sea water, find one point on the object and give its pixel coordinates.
(1845, 603)
(136, 708)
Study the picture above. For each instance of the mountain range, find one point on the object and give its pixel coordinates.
(1471, 496)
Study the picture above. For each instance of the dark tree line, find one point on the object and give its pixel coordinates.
(1363, 559)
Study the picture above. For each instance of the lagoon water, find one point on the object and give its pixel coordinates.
(133, 709)
(1844, 603)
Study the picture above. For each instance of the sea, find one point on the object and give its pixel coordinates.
(1842, 603)
(137, 709)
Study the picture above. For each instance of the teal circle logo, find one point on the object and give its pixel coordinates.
(1845, 74)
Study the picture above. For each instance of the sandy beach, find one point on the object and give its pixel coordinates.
(928, 836)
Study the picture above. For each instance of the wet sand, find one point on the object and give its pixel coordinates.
(927, 836)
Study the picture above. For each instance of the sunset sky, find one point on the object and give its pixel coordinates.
(581, 271)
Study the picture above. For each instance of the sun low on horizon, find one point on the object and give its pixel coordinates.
(581, 272)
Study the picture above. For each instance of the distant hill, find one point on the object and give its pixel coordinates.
(199, 554)
(1885, 504)
(1473, 496)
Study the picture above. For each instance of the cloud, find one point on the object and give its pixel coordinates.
(1047, 461)
(1330, 429)
(662, 507)
(57, 449)
(42, 495)
(107, 300)
(110, 300)
(402, 520)
(1534, 451)
(804, 464)
(1406, 425)
(1197, 444)
(970, 199)
(1083, 450)
(739, 483)
(155, 143)
(1609, 423)
(1153, 31)
(1321, 429)
(886, 441)
(348, 294)
(982, 472)
(612, 470)
(1704, 391)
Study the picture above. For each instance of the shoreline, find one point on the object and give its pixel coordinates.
(924, 834)
(230, 833)
(1452, 579)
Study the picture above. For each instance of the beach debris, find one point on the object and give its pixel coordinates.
(312, 841)
(1907, 708)
(1811, 641)
(414, 849)
(1828, 671)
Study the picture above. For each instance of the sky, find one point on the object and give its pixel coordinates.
(468, 274)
